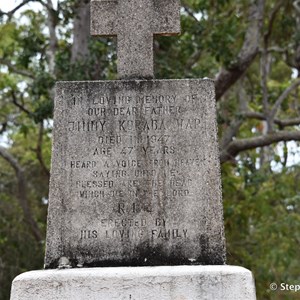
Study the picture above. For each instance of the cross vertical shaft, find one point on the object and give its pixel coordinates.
(134, 22)
(135, 39)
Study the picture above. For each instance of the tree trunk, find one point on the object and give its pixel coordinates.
(22, 194)
(227, 77)
(81, 31)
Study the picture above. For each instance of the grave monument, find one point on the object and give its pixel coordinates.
(135, 205)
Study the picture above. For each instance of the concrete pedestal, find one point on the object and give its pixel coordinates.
(137, 283)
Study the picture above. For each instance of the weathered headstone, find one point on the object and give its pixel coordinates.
(135, 179)
(135, 170)
(135, 174)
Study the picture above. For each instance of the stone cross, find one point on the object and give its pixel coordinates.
(134, 22)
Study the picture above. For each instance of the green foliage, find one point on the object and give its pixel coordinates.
(261, 202)
(19, 251)
(8, 41)
(262, 217)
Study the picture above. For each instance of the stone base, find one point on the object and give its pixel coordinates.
(137, 283)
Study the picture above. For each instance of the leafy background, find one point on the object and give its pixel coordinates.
(250, 47)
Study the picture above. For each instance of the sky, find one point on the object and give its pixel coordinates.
(7, 5)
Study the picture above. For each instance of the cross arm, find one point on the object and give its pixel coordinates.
(103, 17)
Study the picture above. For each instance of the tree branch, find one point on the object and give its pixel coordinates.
(22, 194)
(266, 64)
(282, 97)
(274, 13)
(47, 5)
(296, 5)
(288, 122)
(265, 67)
(52, 22)
(16, 103)
(276, 49)
(11, 13)
(189, 12)
(3, 127)
(14, 69)
(227, 77)
(39, 153)
(230, 133)
(237, 146)
(254, 115)
(235, 125)
(280, 123)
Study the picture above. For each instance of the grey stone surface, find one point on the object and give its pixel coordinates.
(140, 283)
(134, 23)
(135, 176)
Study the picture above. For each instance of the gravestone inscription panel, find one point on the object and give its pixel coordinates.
(135, 176)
